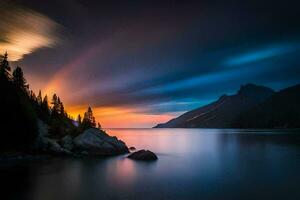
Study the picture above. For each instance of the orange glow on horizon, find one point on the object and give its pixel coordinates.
(120, 117)
(108, 117)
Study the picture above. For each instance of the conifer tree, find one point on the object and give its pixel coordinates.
(32, 95)
(45, 106)
(55, 106)
(93, 122)
(79, 120)
(40, 98)
(60, 107)
(89, 119)
(18, 79)
(4, 66)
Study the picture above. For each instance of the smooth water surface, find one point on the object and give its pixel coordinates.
(193, 164)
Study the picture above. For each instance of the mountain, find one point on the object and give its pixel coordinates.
(281, 110)
(223, 112)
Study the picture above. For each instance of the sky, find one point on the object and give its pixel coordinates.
(139, 63)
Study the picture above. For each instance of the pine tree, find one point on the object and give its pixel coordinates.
(93, 122)
(79, 119)
(60, 107)
(18, 78)
(40, 98)
(89, 119)
(32, 95)
(45, 105)
(99, 126)
(55, 106)
(4, 66)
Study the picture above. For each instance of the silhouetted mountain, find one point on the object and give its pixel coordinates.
(281, 110)
(223, 112)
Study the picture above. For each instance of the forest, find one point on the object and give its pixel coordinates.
(21, 109)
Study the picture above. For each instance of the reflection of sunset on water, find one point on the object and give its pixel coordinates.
(160, 138)
(121, 173)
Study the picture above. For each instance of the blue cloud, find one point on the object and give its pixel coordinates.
(179, 105)
(204, 79)
(261, 54)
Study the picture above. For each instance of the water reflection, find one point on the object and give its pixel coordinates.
(193, 164)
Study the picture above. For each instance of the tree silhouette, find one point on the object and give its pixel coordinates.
(4, 66)
(45, 108)
(61, 108)
(58, 106)
(18, 116)
(21, 109)
(32, 95)
(55, 104)
(40, 98)
(19, 80)
(79, 120)
(89, 119)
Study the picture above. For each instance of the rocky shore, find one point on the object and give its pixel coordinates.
(92, 141)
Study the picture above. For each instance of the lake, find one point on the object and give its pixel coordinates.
(193, 164)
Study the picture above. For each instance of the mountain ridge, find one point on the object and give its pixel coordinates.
(223, 112)
(280, 110)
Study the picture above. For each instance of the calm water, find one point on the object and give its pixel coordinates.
(193, 164)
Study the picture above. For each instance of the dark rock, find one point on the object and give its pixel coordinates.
(67, 143)
(97, 142)
(47, 145)
(132, 148)
(145, 155)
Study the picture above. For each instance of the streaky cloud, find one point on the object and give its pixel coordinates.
(193, 81)
(23, 31)
(261, 54)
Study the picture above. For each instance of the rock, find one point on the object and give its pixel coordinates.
(132, 148)
(90, 142)
(145, 155)
(84, 153)
(47, 145)
(42, 128)
(54, 147)
(97, 142)
(40, 143)
(67, 143)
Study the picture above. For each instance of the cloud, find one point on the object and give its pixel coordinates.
(23, 31)
(134, 61)
(261, 54)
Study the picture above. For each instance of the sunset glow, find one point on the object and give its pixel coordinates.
(146, 68)
(149, 100)
(118, 117)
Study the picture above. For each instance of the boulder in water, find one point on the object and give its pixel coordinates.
(132, 148)
(145, 155)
